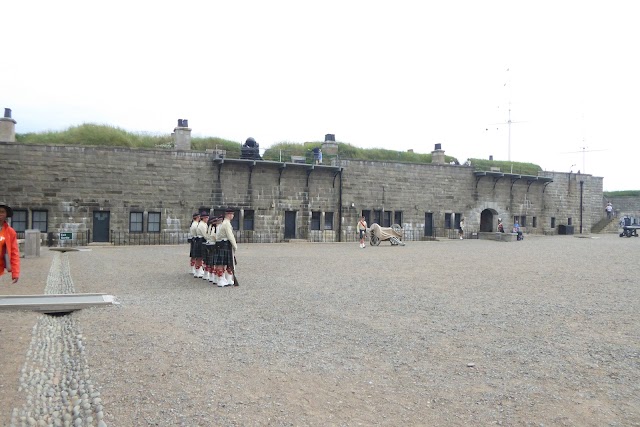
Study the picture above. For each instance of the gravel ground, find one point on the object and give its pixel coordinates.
(540, 332)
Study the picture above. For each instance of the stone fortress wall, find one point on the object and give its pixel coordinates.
(72, 183)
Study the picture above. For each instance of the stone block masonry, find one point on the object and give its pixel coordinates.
(71, 183)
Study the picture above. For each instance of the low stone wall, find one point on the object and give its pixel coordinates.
(498, 237)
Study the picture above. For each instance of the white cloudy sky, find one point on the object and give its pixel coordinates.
(397, 75)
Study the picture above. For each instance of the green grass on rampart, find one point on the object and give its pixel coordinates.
(622, 193)
(506, 166)
(109, 136)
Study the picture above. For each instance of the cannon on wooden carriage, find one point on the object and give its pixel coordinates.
(379, 234)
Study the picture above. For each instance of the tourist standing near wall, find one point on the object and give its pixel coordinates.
(362, 230)
(10, 259)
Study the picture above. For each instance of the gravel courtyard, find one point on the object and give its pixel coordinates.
(543, 332)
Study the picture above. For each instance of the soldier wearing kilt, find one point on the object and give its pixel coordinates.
(226, 246)
(199, 248)
(191, 240)
(210, 246)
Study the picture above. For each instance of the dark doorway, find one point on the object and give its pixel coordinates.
(101, 226)
(428, 224)
(290, 224)
(486, 221)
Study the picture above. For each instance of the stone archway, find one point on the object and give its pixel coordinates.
(486, 220)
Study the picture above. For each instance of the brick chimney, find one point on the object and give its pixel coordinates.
(437, 155)
(7, 127)
(182, 135)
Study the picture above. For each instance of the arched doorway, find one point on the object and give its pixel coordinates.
(486, 220)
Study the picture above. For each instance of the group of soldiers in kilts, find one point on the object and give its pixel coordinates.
(213, 247)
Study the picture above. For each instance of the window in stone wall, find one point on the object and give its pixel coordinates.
(553, 222)
(516, 218)
(447, 221)
(235, 222)
(153, 222)
(39, 221)
(523, 221)
(397, 218)
(386, 221)
(328, 220)
(135, 222)
(248, 220)
(457, 221)
(19, 220)
(377, 217)
(569, 222)
(534, 222)
(315, 220)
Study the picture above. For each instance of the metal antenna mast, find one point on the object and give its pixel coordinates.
(583, 150)
(509, 121)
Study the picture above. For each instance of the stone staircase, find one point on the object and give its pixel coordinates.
(605, 225)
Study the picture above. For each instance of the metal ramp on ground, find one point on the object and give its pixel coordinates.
(62, 303)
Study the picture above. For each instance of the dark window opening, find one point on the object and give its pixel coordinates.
(135, 222)
(153, 222)
(235, 222)
(397, 218)
(447, 221)
(249, 219)
(386, 222)
(19, 221)
(315, 220)
(377, 217)
(328, 220)
(39, 221)
(457, 221)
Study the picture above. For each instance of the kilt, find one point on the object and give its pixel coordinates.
(224, 253)
(191, 245)
(198, 248)
(210, 250)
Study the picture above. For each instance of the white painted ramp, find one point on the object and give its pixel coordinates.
(63, 303)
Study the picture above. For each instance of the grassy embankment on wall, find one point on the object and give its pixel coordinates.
(109, 136)
(105, 135)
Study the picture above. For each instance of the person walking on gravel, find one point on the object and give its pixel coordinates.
(9, 252)
(362, 230)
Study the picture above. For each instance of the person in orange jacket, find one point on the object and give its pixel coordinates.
(8, 245)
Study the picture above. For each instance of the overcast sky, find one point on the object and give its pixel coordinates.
(397, 75)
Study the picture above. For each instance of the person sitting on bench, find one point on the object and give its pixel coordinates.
(516, 229)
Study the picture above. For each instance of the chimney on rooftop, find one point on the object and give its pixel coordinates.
(437, 155)
(7, 127)
(330, 146)
(182, 135)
